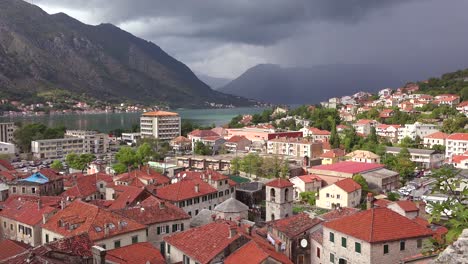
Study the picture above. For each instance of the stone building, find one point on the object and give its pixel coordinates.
(45, 182)
(279, 199)
(232, 210)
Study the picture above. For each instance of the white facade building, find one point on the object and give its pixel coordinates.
(160, 124)
(416, 129)
(7, 148)
(57, 148)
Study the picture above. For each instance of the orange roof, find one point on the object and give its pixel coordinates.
(6, 164)
(248, 253)
(144, 173)
(348, 185)
(437, 135)
(127, 195)
(407, 206)
(160, 113)
(139, 253)
(279, 183)
(339, 213)
(458, 136)
(25, 211)
(463, 104)
(203, 133)
(459, 158)
(80, 217)
(317, 131)
(185, 189)
(378, 225)
(363, 122)
(181, 139)
(382, 202)
(10, 248)
(235, 139)
(295, 225)
(204, 243)
(334, 153)
(309, 178)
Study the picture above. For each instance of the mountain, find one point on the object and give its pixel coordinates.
(41, 52)
(214, 82)
(275, 84)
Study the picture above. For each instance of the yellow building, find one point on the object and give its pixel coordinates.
(344, 193)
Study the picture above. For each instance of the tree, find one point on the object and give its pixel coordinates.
(79, 162)
(334, 138)
(449, 182)
(308, 197)
(452, 125)
(362, 181)
(57, 165)
(127, 156)
(403, 164)
(30, 132)
(235, 165)
(144, 153)
(285, 169)
(373, 136)
(392, 196)
(201, 149)
(252, 164)
(119, 168)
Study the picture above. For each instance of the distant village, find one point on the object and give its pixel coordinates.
(276, 187)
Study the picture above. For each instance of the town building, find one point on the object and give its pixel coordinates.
(7, 149)
(460, 161)
(437, 138)
(140, 177)
(160, 217)
(160, 124)
(57, 148)
(377, 235)
(346, 169)
(343, 193)
(279, 199)
(292, 235)
(21, 219)
(363, 126)
(463, 108)
(138, 253)
(93, 142)
(332, 156)
(389, 132)
(315, 134)
(45, 182)
(106, 229)
(6, 132)
(218, 163)
(364, 156)
(200, 135)
(294, 147)
(232, 210)
(416, 130)
(251, 194)
(424, 158)
(405, 208)
(456, 144)
(88, 188)
(261, 134)
(181, 144)
(447, 99)
(237, 144)
(305, 183)
(382, 180)
(131, 138)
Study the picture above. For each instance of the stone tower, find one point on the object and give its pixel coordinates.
(279, 199)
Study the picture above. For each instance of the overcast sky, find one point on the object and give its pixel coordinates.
(223, 38)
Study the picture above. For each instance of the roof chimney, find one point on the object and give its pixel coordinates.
(39, 204)
(370, 201)
(106, 230)
(232, 231)
(197, 188)
(99, 255)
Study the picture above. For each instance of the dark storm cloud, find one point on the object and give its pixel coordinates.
(262, 22)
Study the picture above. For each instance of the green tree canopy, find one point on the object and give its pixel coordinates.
(79, 162)
(35, 131)
(57, 165)
(201, 149)
(362, 181)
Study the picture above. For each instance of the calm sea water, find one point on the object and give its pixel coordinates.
(108, 122)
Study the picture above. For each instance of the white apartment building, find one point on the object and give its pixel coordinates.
(424, 158)
(456, 144)
(363, 126)
(131, 138)
(160, 124)
(7, 148)
(416, 129)
(6, 132)
(57, 148)
(94, 142)
(294, 147)
(437, 138)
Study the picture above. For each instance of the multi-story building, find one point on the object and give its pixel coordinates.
(45, 182)
(363, 126)
(378, 235)
(255, 134)
(180, 144)
(6, 132)
(94, 142)
(343, 193)
(389, 132)
(160, 124)
(279, 199)
(295, 147)
(57, 148)
(456, 144)
(424, 158)
(305, 183)
(416, 130)
(437, 138)
(315, 133)
(7, 148)
(237, 144)
(105, 228)
(200, 135)
(131, 138)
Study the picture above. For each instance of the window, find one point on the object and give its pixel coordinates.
(220, 194)
(385, 249)
(116, 243)
(182, 204)
(174, 228)
(332, 237)
(332, 258)
(11, 226)
(357, 247)
(14, 189)
(343, 242)
(190, 213)
(338, 196)
(33, 190)
(196, 200)
(402, 245)
(220, 183)
(196, 212)
(225, 182)
(134, 239)
(318, 252)
(47, 238)
(168, 249)
(182, 227)
(327, 195)
(186, 260)
(101, 185)
(23, 190)
(419, 243)
(158, 230)
(167, 229)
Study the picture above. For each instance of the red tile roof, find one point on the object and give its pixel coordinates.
(382, 202)
(248, 253)
(185, 189)
(279, 183)
(349, 167)
(152, 211)
(12, 175)
(339, 213)
(437, 135)
(317, 131)
(458, 136)
(310, 178)
(236, 139)
(126, 196)
(407, 206)
(160, 113)
(459, 158)
(378, 225)
(6, 164)
(334, 153)
(10, 248)
(90, 219)
(363, 122)
(203, 243)
(295, 225)
(84, 186)
(139, 253)
(203, 133)
(143, 174)
(463, 104)
(181, 139)
(348, 185)
(25, 211)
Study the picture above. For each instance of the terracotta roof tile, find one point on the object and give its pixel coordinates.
(339, 213)
(349, 167)
(160, 113)
(458, 136)
(90, 219)
(248, 253)
(6, 164)
(294, 225)
(203, 133)
(459, 158)
(279, 183)
(10, 248)
(236, 139)
(437, 135)
(203, 243)
(25, 211)
(139, 253)
(185, 189)
(382, 202)
(309, 178)
(407, 206)
(181, 139)
(348, 185)
(316, 131)
(127, 195)
(142, 174)
(378, 225)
